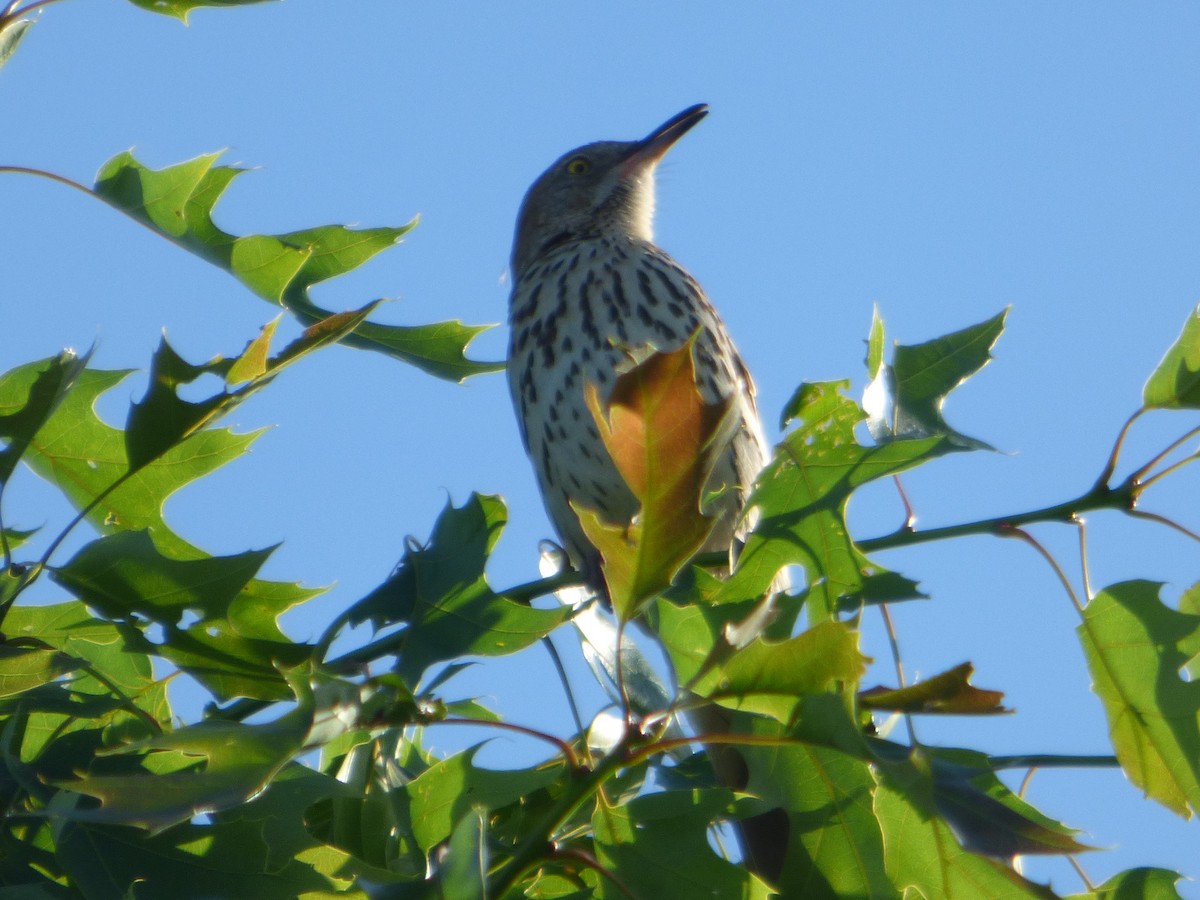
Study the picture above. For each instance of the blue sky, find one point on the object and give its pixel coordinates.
(942, 161)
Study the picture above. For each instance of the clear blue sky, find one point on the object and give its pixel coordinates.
(940, 160)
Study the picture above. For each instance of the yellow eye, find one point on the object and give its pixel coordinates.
(579, 166)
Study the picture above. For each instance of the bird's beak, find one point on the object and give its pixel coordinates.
(648, 151)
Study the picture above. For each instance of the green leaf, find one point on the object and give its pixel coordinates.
(986, 816)
(234, 647)
(1135, 884)
(178, 203)
(447, 791)
(809, 663)
(28, 397)
(658, 846)
(922, 376)
(84, 457)
(922, 853)
(180, 9)
(464, 870)
(1136, 648)
(664, 440)
(832, 843)
(950, 692)
(23, 668)
(11, 32)
(109, 700)
(801, 499)
(125, 573)
(261, 849)
(213, 765)
(1175, 384)
(442, 595)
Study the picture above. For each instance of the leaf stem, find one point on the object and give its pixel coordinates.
(1053, 761)
(566, 749)
(1049, 557)
(1136, 477)
(1110, 465)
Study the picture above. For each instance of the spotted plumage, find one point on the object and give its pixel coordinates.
(591, 289)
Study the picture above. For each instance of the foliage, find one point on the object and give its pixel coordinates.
(107, 794)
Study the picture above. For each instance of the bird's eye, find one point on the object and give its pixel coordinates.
(579, 166)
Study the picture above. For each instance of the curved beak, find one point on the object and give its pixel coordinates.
(650, 149)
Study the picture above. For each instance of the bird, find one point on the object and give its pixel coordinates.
(590, 289)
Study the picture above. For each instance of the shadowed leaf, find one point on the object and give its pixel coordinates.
(441, 594)
(920, 850)
(1175, 384)
(1136, 648)
(28, 397)
(448, 790)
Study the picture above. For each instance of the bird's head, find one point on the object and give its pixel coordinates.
(606, 188)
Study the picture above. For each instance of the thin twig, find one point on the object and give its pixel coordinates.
(1111, 465)
(1163, 520)
(1053, 563)
(566, 749)
(1136, 477)
(894, 643)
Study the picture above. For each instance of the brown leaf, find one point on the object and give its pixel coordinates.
(948, 693)
(665, 441)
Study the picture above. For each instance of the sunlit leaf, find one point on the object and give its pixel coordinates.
(922, 852)
(1136, 648)
(178, 202)
(1136, 884)
(28, 397)
(923, 375)
(180, 9)
(658, 845)
(948, 692)
(24, 667)
(1175, 384)
(85, 457)
(823, 830)
(811, 662)
(801, 498)
(665, 441)
(441, 594)
(231, 642)
(11, 32)
(260, 849)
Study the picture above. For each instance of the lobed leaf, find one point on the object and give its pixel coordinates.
(921, 851)
(28, 397)
(1136, 649)
(448, 790)
(441, 595)
(85, 457)
(178, 202)
(948, 692)
(801, 501)
(657, 846)
(1175, 383)
(920, 378)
